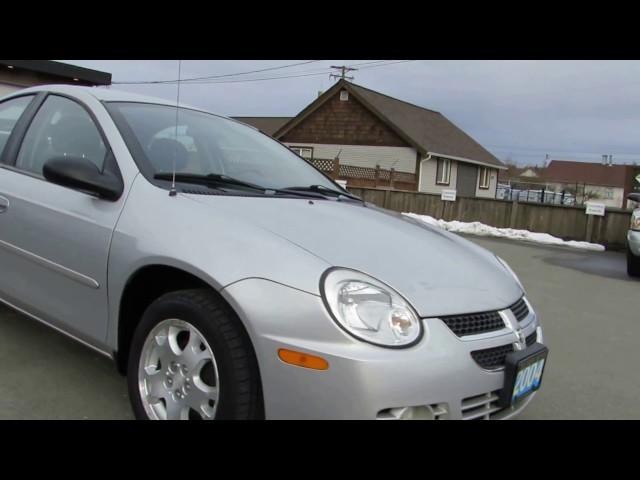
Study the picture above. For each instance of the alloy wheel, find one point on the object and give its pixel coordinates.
(178, 375)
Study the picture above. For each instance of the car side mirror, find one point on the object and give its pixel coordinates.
(82, 174)
(635, 197)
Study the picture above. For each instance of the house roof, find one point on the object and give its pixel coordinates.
(427, 130)
(268, 125)
(568, 171)
(61, 70)
(514, 172)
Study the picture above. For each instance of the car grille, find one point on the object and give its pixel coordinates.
(520, 309)
(481, 407)
(476, 323)
(493, 358)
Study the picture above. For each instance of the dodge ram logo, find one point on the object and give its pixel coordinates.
(521, 344)
(512, 324)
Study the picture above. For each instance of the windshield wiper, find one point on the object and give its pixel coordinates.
(207, 180)
(217, 179)
(322, 189)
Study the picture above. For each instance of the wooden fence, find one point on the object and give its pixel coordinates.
(366, 177)
(568, 223)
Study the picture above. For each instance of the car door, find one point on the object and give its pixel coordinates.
(54, 241)
(13, 113)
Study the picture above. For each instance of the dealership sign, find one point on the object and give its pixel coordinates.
(448, 195)
(595, 209)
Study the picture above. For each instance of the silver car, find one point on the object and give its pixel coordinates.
(633, 239)
(230, 279)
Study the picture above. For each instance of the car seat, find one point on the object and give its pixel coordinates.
(162, 153)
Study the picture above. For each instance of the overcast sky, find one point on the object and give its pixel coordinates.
(519, 110)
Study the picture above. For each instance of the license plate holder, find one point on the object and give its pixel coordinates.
(523, 373)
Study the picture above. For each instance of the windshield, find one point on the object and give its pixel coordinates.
(205, 144)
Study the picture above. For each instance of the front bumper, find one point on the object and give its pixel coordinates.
(364, 381)
(633, 239)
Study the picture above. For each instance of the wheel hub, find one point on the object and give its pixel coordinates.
(178, 382)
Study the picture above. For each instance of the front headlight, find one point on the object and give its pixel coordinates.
(510, 270)
(369, 310)
(635, 220)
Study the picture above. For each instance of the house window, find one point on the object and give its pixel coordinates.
(609, 194)
(485, 177)
(443, 171)
(344, 96)
(304, 152)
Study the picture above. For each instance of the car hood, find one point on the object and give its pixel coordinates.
(439, 273)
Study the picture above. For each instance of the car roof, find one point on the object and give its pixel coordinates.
(107, 95)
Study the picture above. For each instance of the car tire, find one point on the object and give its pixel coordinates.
(183, 319)
(633, 264)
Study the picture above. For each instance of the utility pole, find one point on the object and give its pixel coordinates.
(343, 71)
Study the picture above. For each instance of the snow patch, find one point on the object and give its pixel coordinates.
(477, 228)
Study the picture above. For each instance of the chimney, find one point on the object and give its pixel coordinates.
(610, 160)
(604, 159)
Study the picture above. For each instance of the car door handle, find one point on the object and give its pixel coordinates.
(4, 204)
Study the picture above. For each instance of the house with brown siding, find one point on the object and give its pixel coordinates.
(383, 141)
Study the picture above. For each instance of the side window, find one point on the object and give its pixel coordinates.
(443, 171)
(304, 152)
(60, 128)
(485, 178)
(10, 112)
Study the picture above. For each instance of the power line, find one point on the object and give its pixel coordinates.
(214, 76)
(282, 77)
(209, 82)
(328, 69)
(389, 63)
(350, 68)
(367, 63)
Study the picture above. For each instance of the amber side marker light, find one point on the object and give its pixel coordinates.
(303, 360)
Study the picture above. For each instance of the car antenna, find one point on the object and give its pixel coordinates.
(173, 192)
